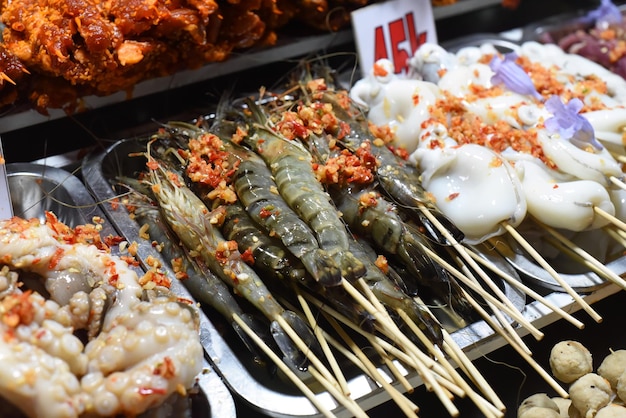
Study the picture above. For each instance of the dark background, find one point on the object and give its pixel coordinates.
(510, 376)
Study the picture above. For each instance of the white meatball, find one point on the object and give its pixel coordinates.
(620, 387)
(612, 411)
(563, 405)
(589, 394)
(536, 405)
(570, 360)
(613, 366)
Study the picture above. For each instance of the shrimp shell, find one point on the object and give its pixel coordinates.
(254, 186)
(297, 183)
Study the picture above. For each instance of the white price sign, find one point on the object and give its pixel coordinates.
(392, 29)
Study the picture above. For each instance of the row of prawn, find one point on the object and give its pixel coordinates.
(246, 202)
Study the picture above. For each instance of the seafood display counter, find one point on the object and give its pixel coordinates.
(232, 383)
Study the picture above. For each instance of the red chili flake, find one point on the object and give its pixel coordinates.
(152, 164)
(555, 186)
(248, 257)
(452, 196)
(112, 240)
(344, 130)
(379, 70)
(266, 212)
(166, 368)
(54, 261)
(131, 261)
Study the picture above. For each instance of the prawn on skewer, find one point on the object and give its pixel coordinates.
(196, 227)
(234, 167)
(291, 165)
(372, 216)
(202, 283)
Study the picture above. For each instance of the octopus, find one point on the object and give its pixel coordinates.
(82, 334)
(487, 131)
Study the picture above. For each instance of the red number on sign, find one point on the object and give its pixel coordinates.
(380, 48)
(398, 32)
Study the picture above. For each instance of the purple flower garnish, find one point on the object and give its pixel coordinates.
(567, 122)
(513, 76)
(606, 14)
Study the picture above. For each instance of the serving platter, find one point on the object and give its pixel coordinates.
(268, 394)
(37, 189)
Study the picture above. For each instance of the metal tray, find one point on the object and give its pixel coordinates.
(37, 188)
(252, 385)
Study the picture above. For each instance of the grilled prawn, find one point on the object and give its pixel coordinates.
(196, 227)
(291, 165)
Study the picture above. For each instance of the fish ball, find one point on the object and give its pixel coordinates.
(536, 404)
(570, 360)
(612, 411)
(620, 387)
(589, 394)
(564, 405)
(613, 366)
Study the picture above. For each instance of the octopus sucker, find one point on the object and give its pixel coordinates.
(101, 345)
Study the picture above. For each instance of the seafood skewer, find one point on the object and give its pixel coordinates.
(370, 215)
(291, 166)
(255, 188)
(201, 282)
(192, 223)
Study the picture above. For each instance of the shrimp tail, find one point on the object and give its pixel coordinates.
(259, 328)
(293, 355)
(322, 267)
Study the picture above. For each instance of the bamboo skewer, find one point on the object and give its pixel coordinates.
(617, 235)
(592, 262)
(543, 263)
(505, 323)
(284, 368)
(619, 183)
(400, 400)
(527, 290)
(458, 355)
(334, 365)
(305, 349)
(516, 315)
(392, 332)
(528, 358)
(349, 403)
(488, 409)
(615, 221)
(468, 259)
(393, 350)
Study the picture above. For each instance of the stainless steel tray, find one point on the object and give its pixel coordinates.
(252, 385)
(37, 188)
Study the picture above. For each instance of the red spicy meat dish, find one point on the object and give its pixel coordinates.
(52, 50)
